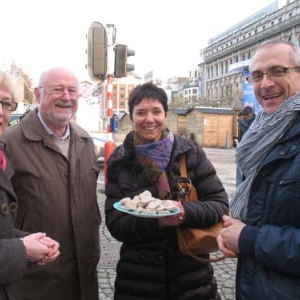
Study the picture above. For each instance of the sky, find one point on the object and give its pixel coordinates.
(166, 35)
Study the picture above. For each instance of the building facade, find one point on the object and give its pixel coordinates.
(225, 61)
(121, 88)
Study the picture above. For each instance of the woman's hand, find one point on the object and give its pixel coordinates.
(54, 252)
(173, 220)
(40, 249)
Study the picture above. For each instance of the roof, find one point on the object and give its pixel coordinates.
(180, 111)
(120, 115)
(215, 110)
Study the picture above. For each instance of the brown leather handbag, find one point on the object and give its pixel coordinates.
(195, 241)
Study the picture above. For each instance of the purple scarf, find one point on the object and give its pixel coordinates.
(156, 158)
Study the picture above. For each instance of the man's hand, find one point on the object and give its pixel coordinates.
(229, 236)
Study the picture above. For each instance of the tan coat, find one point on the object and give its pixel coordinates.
(57, 196)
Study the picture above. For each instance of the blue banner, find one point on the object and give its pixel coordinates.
(248, 93)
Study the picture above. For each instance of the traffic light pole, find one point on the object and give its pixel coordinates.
(109, 144)
(107, 60)
(109, 103)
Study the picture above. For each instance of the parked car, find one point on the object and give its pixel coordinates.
(14, 118)
(99, 142)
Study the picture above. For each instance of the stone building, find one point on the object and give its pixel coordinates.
(228, 54)
(121, 88)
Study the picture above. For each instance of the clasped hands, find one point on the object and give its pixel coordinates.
(229, 236)
(40, 248)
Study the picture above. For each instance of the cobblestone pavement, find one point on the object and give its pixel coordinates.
(223, 160)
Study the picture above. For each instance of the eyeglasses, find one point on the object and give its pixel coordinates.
(9, 105)
(273, 73)
(60, 91)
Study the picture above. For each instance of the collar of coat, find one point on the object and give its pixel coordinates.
(34, 130)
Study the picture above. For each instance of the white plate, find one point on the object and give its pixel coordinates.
(118, 206)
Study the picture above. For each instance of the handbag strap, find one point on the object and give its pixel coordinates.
(183, 173)
(184, 183)
(182, 165)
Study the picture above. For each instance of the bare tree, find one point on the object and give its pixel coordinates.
(27, 95)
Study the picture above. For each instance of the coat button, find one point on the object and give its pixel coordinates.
(281, 152)
(293, 148)
(4, 209)
(13, 207)
(142, 257)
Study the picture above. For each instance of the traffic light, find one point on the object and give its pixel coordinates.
(97, 52)
(121, 66)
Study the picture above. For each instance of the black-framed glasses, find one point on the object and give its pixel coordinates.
(9, 105)
(272, 74)
(59, 91)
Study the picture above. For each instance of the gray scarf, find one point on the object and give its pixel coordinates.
(264, 132)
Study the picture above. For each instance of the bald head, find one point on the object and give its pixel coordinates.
(57, 72)
(57, 95)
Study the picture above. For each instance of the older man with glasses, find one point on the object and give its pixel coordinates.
(56, 180)
(264, 227)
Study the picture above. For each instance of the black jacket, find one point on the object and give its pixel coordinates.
(150, 265)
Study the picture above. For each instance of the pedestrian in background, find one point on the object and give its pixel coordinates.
(56, 180)
(264, 230)
(17, 248)
(151, 265)
(246, 118)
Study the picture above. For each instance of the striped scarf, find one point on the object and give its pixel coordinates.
(264, 132)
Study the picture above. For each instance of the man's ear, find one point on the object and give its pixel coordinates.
(37, 94)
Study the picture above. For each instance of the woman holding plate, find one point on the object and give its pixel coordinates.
(151, 265)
